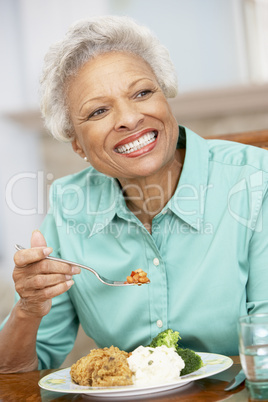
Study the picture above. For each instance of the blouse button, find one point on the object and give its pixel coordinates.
(159, 323)
(156, 261)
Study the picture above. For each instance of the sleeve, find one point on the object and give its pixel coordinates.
(57, 333)
(58, 329)
(257, 286)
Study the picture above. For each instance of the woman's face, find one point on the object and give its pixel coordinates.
(123, 123)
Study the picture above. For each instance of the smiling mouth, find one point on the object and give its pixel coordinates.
(139, 143)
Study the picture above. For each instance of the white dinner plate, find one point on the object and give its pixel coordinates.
(60, 381)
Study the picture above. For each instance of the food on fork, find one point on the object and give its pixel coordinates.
(138, 276)
(102, 368)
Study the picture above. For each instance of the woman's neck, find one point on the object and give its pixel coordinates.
(147, 196)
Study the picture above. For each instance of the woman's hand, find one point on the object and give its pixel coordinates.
(37, 280)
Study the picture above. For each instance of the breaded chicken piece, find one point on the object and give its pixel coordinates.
(103, 368)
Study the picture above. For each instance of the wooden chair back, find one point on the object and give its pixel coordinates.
(258, 138)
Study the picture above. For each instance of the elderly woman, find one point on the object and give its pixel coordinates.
(190, 212)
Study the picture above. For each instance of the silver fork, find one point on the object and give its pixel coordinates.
(100, 278)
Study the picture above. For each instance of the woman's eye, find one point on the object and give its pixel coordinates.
(97, 113)
(141, 94)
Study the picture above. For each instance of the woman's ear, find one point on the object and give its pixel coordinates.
(77, 148)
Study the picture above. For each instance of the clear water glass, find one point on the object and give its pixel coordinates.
(253, 350)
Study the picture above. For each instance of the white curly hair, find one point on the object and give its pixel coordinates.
(85, 40)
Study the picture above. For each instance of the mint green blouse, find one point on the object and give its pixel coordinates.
(207, 256)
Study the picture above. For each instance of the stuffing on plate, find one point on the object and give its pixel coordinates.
(103, 368)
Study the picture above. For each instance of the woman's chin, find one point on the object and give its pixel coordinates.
(142, 171)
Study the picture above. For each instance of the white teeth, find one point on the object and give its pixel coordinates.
(137, 144)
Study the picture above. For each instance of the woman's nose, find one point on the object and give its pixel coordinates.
(127, 116)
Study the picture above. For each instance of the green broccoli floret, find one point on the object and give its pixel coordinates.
(168, 338)
(192, 360)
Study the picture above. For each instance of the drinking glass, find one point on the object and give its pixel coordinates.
(253, 350)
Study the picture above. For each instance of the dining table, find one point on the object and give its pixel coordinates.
(23, 387)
